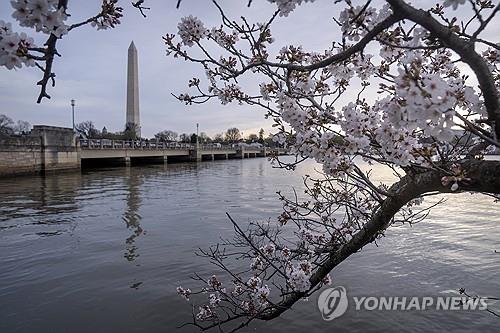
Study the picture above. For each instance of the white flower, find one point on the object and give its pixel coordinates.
(279, 138)
(264, 91)
(61, 30)
(214, 299)
(268, 249)
(43, 15)
(287, 6)
(262, 295)
(14, 47)
(10, 43)
(291, 111)
(299, 280)
(228, 93)
(185, 293)
(10, 61)
(238, 290)
(306, 267)
(254, 282)
(191, 30)
(214, 282)
(256, 263)
(38, 7)
(286, 253)
(248, 306)
(224, 39)
(205, 312)
(53, 20)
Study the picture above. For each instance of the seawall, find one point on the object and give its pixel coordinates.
(45, 149)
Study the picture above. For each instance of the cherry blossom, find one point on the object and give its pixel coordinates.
(407, 106)
(287, 6)
(191, 30)
(185, 293)
(14, 47)
(43, 15)
(48, 17)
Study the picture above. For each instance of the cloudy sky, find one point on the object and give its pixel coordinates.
(92, 69)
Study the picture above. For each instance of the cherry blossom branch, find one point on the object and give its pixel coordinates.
(138, 5)
(49, 59)
(408, 129)
(466, 52)
(485, 176)
(478, 131)
(342, 56)
(485, 23)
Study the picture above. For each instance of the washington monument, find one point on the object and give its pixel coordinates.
(133, 119)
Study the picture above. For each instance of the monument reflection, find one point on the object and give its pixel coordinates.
(131, 216)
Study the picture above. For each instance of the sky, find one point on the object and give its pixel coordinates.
(92, 69)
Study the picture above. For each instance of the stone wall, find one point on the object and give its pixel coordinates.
(20, 154)
(44, 149)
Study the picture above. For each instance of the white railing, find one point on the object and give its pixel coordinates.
(158, 145)
(133, 144)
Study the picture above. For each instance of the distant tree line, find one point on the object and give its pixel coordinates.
(232, 135)
(88, 130)
(9, 127)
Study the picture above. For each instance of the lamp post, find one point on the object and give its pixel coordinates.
(73, 112)
(197, 139)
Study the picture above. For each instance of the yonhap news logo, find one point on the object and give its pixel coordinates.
(333, 303)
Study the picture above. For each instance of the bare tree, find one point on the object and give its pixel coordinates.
(87, 129)
(252, 137)
(232, 135)
(22, 127)
(185, 137)
(219, 137)
(6, 124)
(167, 136)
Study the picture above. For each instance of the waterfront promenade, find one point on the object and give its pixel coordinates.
(50, 149)
(128, 151)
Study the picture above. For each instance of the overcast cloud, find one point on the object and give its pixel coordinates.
(92, 69)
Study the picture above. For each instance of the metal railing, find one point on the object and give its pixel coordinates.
(133, 144)
(158, 145)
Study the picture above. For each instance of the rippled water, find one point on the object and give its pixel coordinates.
(103, 251)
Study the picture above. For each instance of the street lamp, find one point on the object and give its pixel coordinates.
(197, 140)
(73, 112)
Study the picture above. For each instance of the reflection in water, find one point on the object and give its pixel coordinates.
(63, 240)
(131, 215)
(42, 202)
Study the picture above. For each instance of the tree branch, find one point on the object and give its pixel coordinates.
(388, 22)
(464, 49)
(484, 177)
(49, 55)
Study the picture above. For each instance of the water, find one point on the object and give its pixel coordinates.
(103, 251)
